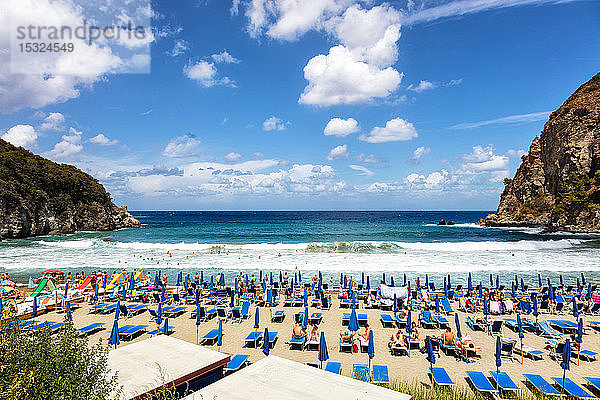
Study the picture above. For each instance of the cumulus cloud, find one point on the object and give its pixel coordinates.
(483, 159)
(422, 86)
(434, 180)
(180, 47)
(21, 136)
(102, 140)
(225, 58)
(338, 153)
(419, 152)
(515, 153)
(233, 157)
(258, 154)
(205, 74)
(395, 130)
(181, 146)
(370, 158)
(53, 122)
(341, 127)
(69, 146)
(364, 170)
(274, 123)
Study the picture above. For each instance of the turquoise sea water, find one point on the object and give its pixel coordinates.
(394, 242)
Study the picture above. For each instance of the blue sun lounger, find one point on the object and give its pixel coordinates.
(595, 325)
(159, 331)
(296, 342)
(210, 337)
(563, 325)
(91, 328)
(97, 308)
(56, 325)
(237, 362)
(542, 385)
(287, 302)
(344, 303)
(107, 309)
(360, 372)
(298, 302)
(480, 382)
(136, 309)
(386, 320)
(278, 316)
(447, 308)
(504, 382)
(253, 338)
(175, 311)
(315, 318)
(587, 355)
(272, 339)
(595, 382)
(400, 322)
(132, 331)
(573, 389)
(441, 321)
(547, 331)
(333, 366)
(125, 328)
(440, 377)
(381, 374)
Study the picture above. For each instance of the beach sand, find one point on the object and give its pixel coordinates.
(413, 368)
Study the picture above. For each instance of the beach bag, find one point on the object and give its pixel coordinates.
(354, 348)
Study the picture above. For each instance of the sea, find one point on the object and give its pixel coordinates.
(396, 243)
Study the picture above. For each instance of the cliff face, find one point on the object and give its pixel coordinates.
(557, 186)
(40, 197)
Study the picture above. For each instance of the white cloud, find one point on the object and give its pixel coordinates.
(419, 152)
(434, 180)
(365, 171)
(233, 157)
(422, 86)
(395, 130)
(508, 120)
(341, 127)
(483, 159)
(205, 74)
(21, 136)
(70, 145)
(370, 158)
(340, 78)
(103, 140)
(225, 58)
(180, 47)
(181, 146)
(515, 153)
(258, 154)
(53, 122)
(275, 124)
(338, 153)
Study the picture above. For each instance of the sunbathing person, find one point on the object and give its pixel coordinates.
(448, 337)
(470, 307)
(346, 337)
(314, 334)
(468, 347)
(414, 332)
(298, 332)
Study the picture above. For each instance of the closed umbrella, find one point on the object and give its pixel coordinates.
(522, 285)
(579, 337)
(588, 295)
(457, 323)
(105, 280)
(299, 276)
(305, 319)
(66, 291)
(561, 281)
(392, 281)
(404, 284)
(498, 355)
(232, 299)
(486, 310)
(68, 311)
(305, 298)
(165, 329)
(535, 308)
(578, 286)
(368, 283)
(395, 304)
(427, 281)
(409, 322)
(1, 306)
(513, 291)
(178, 279)
(163, 293)
(437, 304)
(566, 359)
(353, 322)
(96, 292)
(34, 312)
(260, 275)
(124, 292)
(270, 297)
(480, 288)
(132, 282)
(383, 278)
(469, 283)
(159, 314)
(266, 345)
(362, 278)
(186, 283)
(280, 277)
(323, 353)
(198, 319)
(220, 335)
(114, 334)
(540, 281)
(582, 279)
(222, 282)
(271, 278)
(201, 277)
(521, 334)
(497, 282)
(30, 284)
(371, 349)
(575, 309)
(430, 355)
(118, 309)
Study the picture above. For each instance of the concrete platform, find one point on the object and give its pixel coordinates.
(162, 360)
(278, 378)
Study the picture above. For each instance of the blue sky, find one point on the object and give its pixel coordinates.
(328, 104)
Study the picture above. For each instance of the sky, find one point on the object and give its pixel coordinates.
(302, 104)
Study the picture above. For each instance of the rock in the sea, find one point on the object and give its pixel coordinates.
(557, 186)
(450, 223)
(40, 197)
(442, 222)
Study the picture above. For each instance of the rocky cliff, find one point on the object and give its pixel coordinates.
(557, 186)
(40, 197)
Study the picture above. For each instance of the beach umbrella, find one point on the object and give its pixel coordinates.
(96, 292)
(280, 277)
(535, 308)
(430, 355)
(212, 282)
(371, 349)
(409, 322)
(186, 282)
(469, 283)
(566, 359)
(68, 311)
(561, 280)
(480, 288)
(383, 278)
(457, 323)
(320, 286)
(131, 282)
(578, 286)
(353, 322)
(114, 334)
(305, 298)
(540, 281)
(299, 276)
(522, 285)
(165, 328)
(34, 313)
(485, 306)
(354, 299)
(427, 281)
(497, 282)
(588, 295)
(404, 284)
(323, 354)
(516, 280)
(124, 292)
(30, 284)
(305, 319)
(222, 279)
(395, 304)
(579, 337)
(449, 284)
(345, 282)
(582, 279)
(418, 283)
(118, 309)
(202, 277)
(513, 290)
(220, 335)
(362, 278)
(392, 281)
(551, 293)
(105, 280)
(368, 283)
(66, 291)
(237, 286)
(198, 318)
(163, 291)
(270, 297)
(176, 284)
(437, 304)
(159, 314)
(266, 345)
(260, 275)
(232, 299)
(271, 278)
(498, 355)
(491, 280)
(341, 278)
(1, 306)
(156, 280)
(445, 287)
(521, 334)
(575, 309)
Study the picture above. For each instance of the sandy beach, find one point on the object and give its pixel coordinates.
(408, 368)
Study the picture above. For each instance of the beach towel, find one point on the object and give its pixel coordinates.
(387, 292)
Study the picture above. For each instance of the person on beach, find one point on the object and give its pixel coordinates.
(448, 337)
(298, 332)
(346, 337)
(314, 334)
